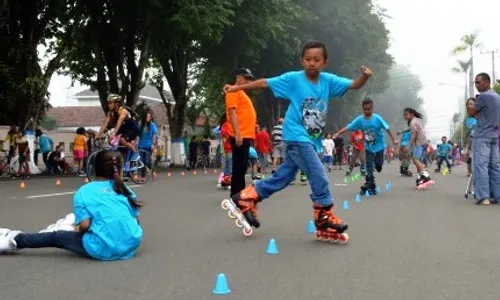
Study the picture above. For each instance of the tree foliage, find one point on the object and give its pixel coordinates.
(26, 27)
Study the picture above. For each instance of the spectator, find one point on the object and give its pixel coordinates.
(485, 152)
(23, 149)
(279, 145)
(57, 161)
(205, 152)
(46, 145)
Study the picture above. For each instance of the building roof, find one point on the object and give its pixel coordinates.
(76, 116)
(91, 116)
(148, 91)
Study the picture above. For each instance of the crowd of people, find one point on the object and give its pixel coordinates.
(105, 225)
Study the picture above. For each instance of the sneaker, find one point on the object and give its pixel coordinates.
(7, 240)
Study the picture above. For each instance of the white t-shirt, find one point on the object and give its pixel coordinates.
(328, 146)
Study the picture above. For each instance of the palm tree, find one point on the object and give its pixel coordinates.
(463, 67)
(468, 43)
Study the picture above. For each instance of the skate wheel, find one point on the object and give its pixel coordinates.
(247, 232)
(334, 237)
(230, 215)
(344, 237)
(238, 223)
(224, 204)
(466, 196)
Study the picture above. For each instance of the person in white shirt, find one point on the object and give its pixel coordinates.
(328, 149)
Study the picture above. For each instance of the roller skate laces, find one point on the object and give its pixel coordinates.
(329, 227)
(247, 200)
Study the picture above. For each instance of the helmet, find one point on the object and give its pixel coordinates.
(114, 98)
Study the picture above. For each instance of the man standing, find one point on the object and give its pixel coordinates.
(278, 144)
(485, 155)
(242, 119)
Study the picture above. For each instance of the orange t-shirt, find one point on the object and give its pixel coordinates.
(245, 112)
(79, 142)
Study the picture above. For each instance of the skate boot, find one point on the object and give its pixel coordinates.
(405, 172)
(363, 172)
(246, 201)
(348, 172)
(226, 182)
(378, 168)
(369, 186)
(328, 226)
(424, 180)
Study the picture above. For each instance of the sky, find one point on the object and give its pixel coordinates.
(422, 35)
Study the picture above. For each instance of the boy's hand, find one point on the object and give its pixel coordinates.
(229, 88)
(366, 71)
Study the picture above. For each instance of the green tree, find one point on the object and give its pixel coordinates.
(25, 27)
(114, 46)
(468, 43)
(496, 87)
(185, 28)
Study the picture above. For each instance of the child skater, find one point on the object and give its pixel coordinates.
(308, 91)
(106, 225)
(373, 127)
(418, 142)
(405, 155)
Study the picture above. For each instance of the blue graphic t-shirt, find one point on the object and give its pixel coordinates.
(114, 231)
(444, 149)
(405, 138)
(306, 116)
(373, 128)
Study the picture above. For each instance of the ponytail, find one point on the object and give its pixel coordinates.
(415, 113)
(108, 165)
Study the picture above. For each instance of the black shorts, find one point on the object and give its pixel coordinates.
(23, 158)
(469, 160)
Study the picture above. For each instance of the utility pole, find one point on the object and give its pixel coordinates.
(492, 52)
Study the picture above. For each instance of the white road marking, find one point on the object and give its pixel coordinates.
(66, 193)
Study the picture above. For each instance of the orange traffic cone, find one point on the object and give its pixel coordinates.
(194, 172)
(58, 182)
(22, 185)
(86, 179)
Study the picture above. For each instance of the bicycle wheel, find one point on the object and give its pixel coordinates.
(138, 171)
(91, 166)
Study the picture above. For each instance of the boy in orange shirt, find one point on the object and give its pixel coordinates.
(357, 140)
(242, 119)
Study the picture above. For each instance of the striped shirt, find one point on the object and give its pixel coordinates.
(277, 134)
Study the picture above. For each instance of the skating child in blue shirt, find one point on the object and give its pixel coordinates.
(105, 219)
(373, 127)
(308, 91)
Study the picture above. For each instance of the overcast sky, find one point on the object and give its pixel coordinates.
(422, 35)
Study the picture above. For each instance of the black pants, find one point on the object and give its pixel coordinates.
(240, 164)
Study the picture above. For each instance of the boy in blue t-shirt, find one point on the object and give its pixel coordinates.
(373, 127)
(405, 155)
(443, 154)
(308, 91)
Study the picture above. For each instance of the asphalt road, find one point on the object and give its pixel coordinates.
(403, 244)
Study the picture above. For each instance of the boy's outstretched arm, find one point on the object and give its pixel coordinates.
(254, 85)
(359, 82)
(394, 140)
(340, 132)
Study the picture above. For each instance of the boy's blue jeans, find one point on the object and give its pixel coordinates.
(373, 159)
(303, 156)
(486, 168)
(68, 240)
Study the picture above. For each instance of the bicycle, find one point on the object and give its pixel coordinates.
(6, 169)
(131, 169)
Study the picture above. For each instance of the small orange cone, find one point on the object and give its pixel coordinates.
(182, 173)
(215, 171)
(22, 185)
(58, 182)
(206, 172)
(169, 174)
(194, 172)
(86, 179)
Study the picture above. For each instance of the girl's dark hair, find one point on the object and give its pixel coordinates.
(80, 130)
(144, 123)
(473, 99)
(415, 113)
(108, 165)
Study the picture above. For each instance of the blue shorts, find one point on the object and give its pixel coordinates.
(418, 152)
(328, 159)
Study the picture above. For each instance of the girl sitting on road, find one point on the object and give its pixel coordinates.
(105, 223)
